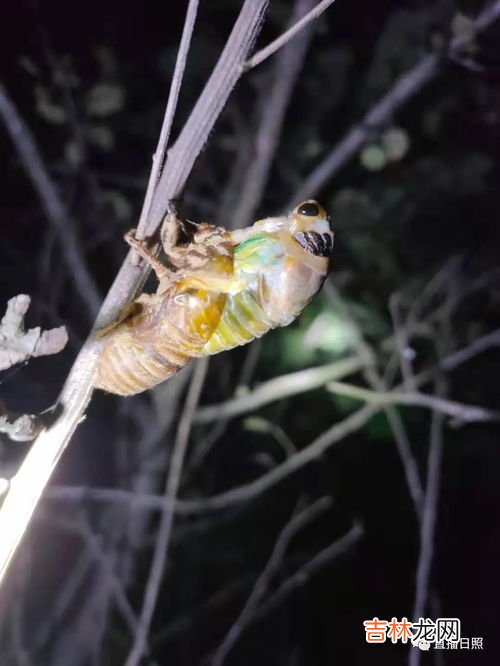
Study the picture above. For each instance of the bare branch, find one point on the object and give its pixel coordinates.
(476, 347)
(458, 410)
(160, 553)
(427, 528)
(249, 491)
(404, 89)
(28, 484)
(51, 203)
(182, 155)
(280, 388)
(304, 573)
(275, 103)
(173, 96)
(294, 525)
(402, 345)
(271, 48)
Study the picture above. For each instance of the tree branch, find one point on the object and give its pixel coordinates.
(51, 203)
(161, 548)
(28, 484)
(404, 89)
(173, 96)
(274, 105)
(280, 388)
(294, 525)
(457, 410)
(271, 48)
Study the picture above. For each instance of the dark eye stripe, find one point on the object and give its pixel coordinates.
(320, 245)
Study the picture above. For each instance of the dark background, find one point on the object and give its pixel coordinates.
(91, 81)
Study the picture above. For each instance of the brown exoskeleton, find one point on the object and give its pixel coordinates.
(159, 333)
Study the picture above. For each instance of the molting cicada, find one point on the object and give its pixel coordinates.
(220, 290)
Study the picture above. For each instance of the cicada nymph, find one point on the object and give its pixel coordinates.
(225, 289)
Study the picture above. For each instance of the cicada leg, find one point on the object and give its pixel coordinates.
(170, 232)
(144, 251)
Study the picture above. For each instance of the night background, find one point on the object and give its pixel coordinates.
(397, 514)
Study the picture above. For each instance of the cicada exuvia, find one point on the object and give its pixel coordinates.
(221, 290)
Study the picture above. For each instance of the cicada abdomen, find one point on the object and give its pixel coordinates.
(159, 333)
(280, 263)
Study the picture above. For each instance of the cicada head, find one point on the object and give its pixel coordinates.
(310, 226)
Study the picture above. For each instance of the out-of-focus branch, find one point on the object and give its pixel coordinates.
(428, 524)
(161, 548)
(404, 89)
(294, 525)
(275, 102)
(237, 495)
(457, 410)
(28, 484)
(280, 41)
(476, 347)
(255, 488)
(280, 388)
(310, 568)
(51, 203)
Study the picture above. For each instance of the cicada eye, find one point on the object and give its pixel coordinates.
(309, 208)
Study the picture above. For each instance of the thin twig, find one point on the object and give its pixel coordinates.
(476, 347)
(229, 68)
(402, 345)
(51, 203)
(457, 410)
(280, 41)
(275, 102)
(160, 553)
(427, 529)
(232, 497)
(405, 88)
(173, 96)
(294, 525)
(251, 490)
(305, 571)
(280, 388)
(376, 381)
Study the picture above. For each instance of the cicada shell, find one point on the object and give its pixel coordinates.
(159, 333)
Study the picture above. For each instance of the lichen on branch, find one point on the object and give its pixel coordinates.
(18, 344)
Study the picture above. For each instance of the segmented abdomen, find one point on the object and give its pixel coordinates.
(154, 343)
(159, 333)
(242, 320)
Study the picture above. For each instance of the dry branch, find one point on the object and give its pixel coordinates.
(404, 89)
(294, 525)
(161, 549)
(271, 48)
(51, 203)
(275, 102)
(37, 468)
